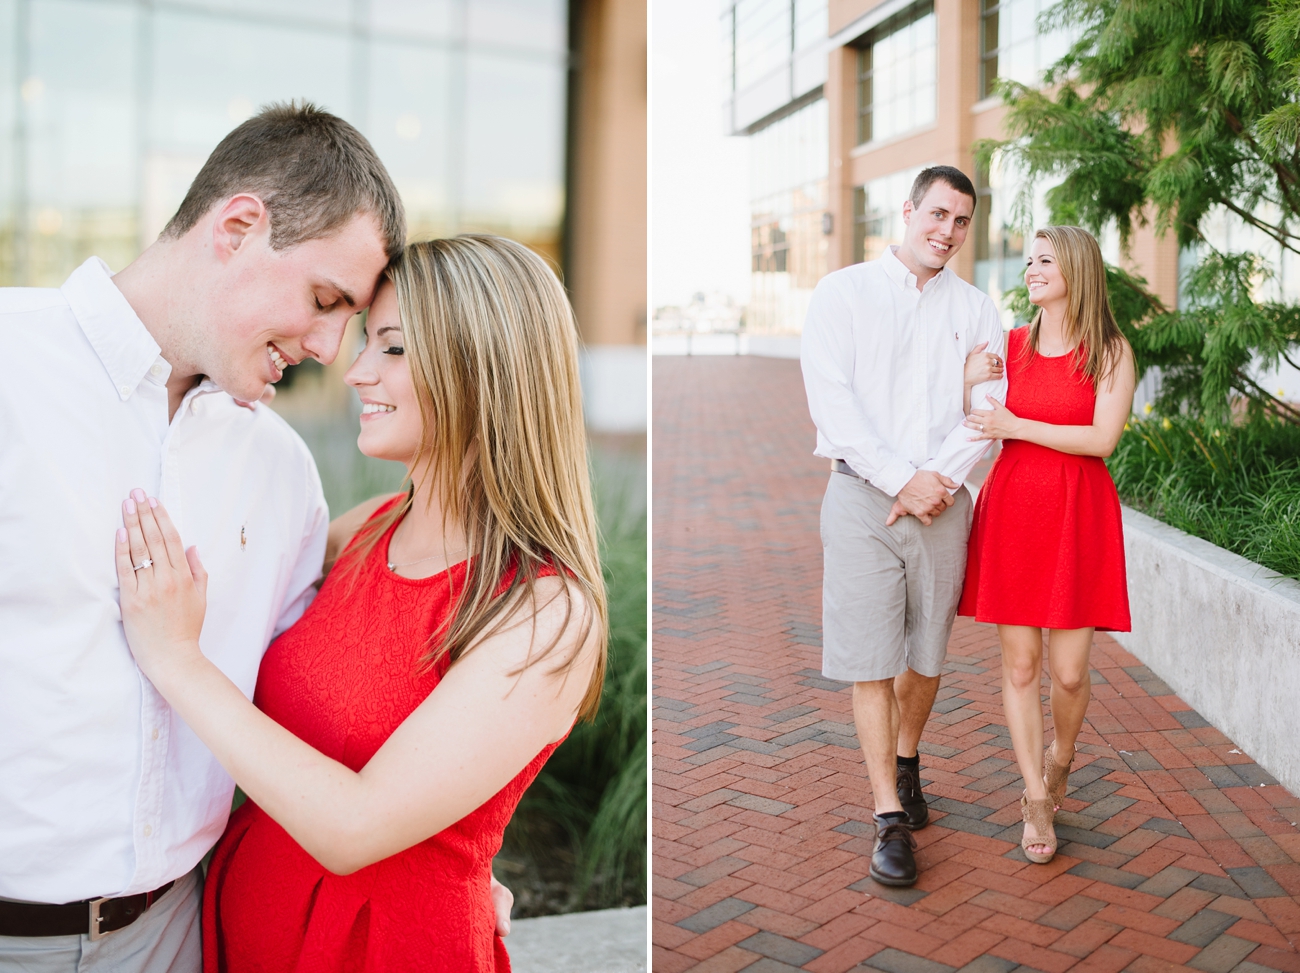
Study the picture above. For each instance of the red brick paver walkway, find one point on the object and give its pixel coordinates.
(1177, 850)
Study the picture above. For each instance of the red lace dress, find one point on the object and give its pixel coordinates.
(1047, 544)
(343, 679)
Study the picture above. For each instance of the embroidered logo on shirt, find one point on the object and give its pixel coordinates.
(243, 539)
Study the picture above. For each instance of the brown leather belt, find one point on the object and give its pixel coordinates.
(89, 917)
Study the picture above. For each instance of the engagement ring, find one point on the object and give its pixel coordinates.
(146, 563)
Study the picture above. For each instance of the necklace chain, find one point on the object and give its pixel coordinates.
(407, 564)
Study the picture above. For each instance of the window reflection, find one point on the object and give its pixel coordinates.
(897, 76)
(810, 23)
(878, 212)
(118, 105)
(540, 25)
(1004, 220)
(505, 190)
(1011, 46)
(789, 165)
(762, 39)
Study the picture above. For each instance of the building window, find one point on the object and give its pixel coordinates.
(789, 162)
(810, 23)
(896, 75)
(878, 212)
(1011, 46)
(468, 115)
(763, 39)
(1004, 220)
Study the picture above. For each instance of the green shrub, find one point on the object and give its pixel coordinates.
(1236, 486)
(594, 786)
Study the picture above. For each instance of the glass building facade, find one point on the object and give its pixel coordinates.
(788, 168)
(1011, 45)
(878, 213)
(897, 78)
(774, 72)
(774, 56)
(109, 107)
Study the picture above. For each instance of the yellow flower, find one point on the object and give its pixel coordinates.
(1147, 408)
(1127, 427)
(1166, 424)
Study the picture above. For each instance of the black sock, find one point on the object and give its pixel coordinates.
(893, 817)
(910, 761)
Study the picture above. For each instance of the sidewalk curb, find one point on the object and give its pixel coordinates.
(604, 941)
(1223, 632)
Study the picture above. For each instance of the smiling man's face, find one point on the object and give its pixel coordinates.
(282, 306)
(936, 229)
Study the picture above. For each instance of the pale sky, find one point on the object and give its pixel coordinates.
(699, 179)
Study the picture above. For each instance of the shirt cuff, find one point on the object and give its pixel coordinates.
(893, 477)
(933, 468)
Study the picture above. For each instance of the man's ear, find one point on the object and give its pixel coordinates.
(907, 211)
(237, 219)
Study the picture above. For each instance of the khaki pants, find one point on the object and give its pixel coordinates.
(889, 594)
(163, 940)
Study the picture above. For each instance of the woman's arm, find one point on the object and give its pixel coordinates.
(486, 720)
(345, 525)
(1114, 403)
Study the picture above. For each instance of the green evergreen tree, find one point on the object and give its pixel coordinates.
(1166, 111)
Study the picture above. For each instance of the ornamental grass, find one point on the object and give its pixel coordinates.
(1236, 486)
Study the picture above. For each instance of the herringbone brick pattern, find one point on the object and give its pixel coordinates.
(1177, 850)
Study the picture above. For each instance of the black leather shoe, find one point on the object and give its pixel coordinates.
(910, 796)
(892, 858)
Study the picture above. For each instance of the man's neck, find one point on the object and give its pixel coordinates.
(922, 273)
(147, 283)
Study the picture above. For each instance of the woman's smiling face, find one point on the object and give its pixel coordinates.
(391, 427)
(1043, 274)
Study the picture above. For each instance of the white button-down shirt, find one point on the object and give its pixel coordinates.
(883, 365)
(103, 789)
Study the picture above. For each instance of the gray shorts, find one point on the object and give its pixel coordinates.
(163, 940)
(889, 594)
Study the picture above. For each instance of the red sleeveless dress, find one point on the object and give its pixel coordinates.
(342, 679)
(1047, 544)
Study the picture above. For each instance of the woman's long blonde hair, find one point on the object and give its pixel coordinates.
(492, 346)
(1089, 322)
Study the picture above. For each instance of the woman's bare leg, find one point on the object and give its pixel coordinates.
(1068, 651)
(1022, 668)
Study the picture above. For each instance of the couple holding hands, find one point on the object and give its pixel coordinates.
(387, 734)
(910, 379)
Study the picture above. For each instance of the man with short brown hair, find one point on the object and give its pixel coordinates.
(883, 355)
(150, 379)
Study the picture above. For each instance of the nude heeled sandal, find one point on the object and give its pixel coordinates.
(1057, 777)
(1038, 815)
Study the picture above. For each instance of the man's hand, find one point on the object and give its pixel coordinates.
(503, 901)
(924, 497)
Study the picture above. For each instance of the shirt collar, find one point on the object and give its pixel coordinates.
(897, 270)
(111, 326)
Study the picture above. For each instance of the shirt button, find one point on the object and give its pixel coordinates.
(155, 369)
(195, 407)
(125, 390)
(148, 830)
(154, 734)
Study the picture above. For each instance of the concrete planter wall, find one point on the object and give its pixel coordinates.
(1224, 633)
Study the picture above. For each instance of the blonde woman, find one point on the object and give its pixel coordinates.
(1047, 546)
(450, 650)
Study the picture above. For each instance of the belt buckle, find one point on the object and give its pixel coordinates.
(95, 919)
